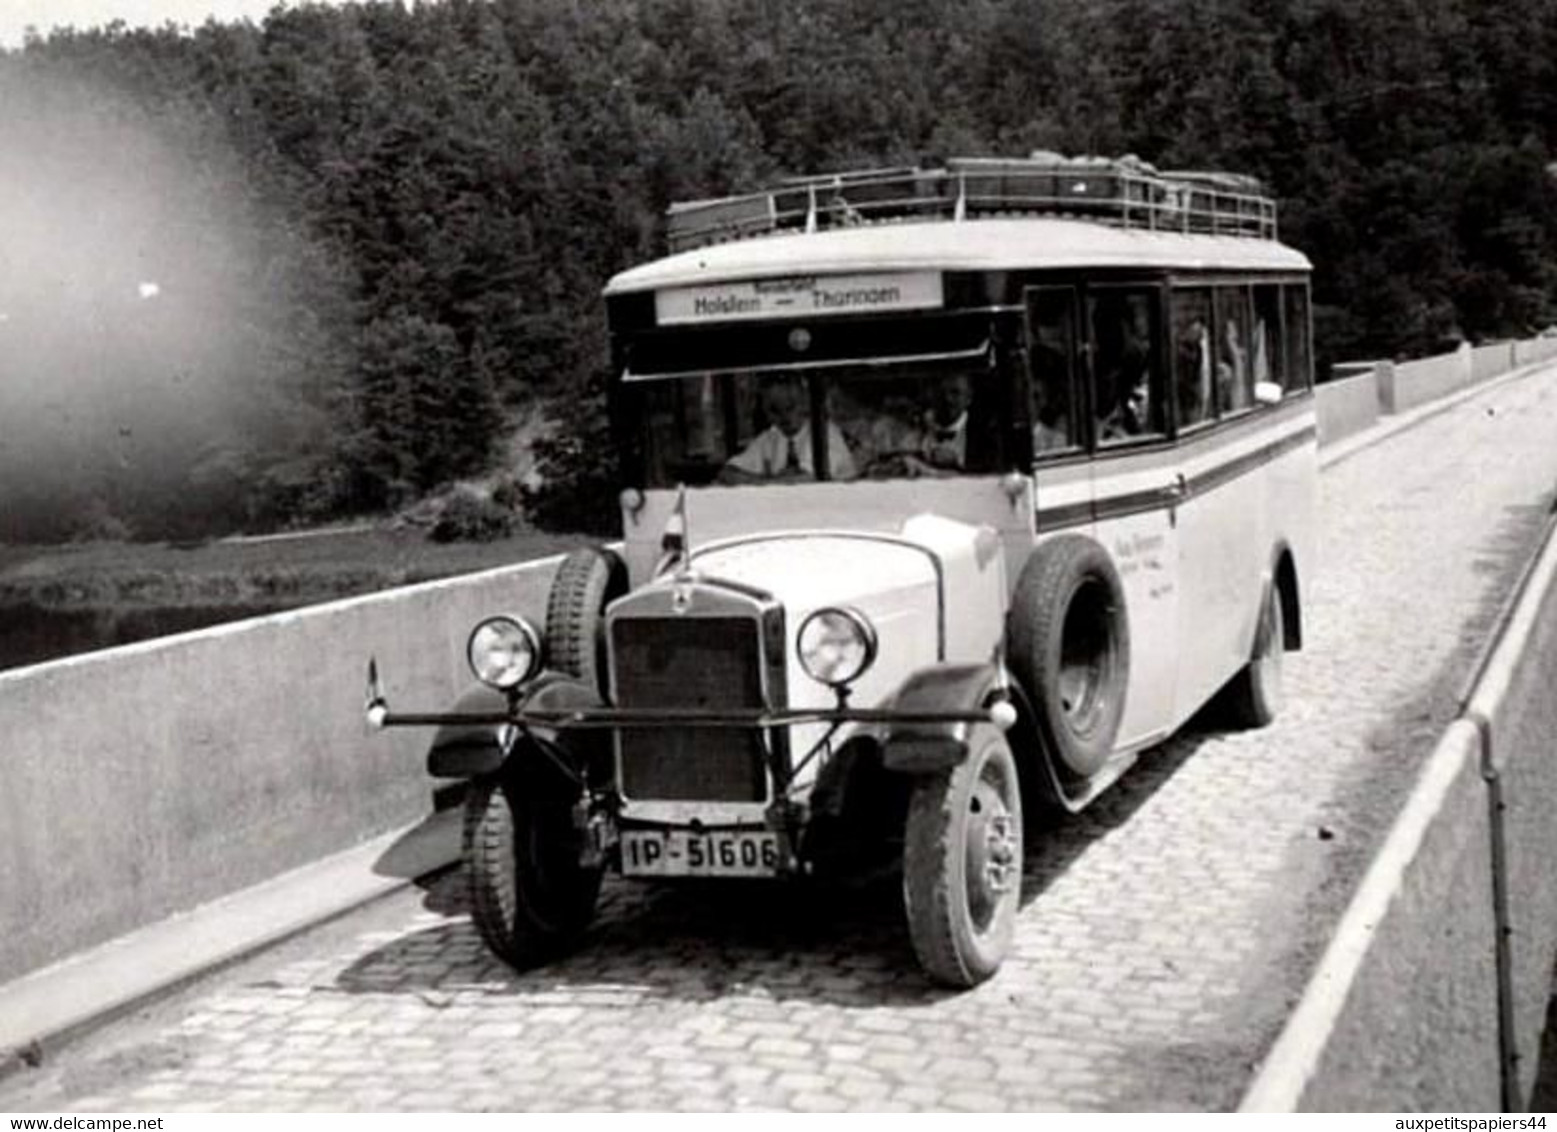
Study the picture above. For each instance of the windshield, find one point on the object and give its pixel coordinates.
(900, 421)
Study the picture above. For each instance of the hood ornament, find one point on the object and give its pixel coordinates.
(681, 596)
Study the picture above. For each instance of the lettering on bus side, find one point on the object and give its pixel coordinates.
(1138, 552)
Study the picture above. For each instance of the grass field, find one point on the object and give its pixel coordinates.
(287, 570)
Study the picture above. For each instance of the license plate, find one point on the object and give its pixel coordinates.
(711, 853)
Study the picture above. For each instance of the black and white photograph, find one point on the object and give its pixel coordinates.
(730, 556)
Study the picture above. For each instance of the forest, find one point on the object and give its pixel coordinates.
(322, 266)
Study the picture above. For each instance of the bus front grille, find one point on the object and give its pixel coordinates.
(695, 663)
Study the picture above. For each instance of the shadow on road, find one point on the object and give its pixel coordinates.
(701, 940)
(687, 942)
(1065, 837)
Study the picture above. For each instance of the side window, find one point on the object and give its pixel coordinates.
(1269, 358)
(1051, 351)
(1127, 400)
(1234, 369)
(1191, 315)
(1300, 372)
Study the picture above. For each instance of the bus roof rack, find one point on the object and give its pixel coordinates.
(1122, 192)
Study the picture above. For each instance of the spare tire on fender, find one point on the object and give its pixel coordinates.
(588, 580)
(1068, 645)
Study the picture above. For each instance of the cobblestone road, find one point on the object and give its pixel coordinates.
(1164, 932)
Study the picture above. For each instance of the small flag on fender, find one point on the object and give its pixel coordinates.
(673, 543)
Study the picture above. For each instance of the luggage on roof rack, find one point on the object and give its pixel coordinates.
(1123, 191)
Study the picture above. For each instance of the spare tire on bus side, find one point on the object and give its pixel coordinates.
(587, 580)
(1068, 645)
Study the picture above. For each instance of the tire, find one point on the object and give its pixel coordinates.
(530, 898)
(1068, 645)
(586, 582)
(1254, 697)
(962, 863)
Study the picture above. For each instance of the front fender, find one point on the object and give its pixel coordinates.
(469, 750)
(923, 748)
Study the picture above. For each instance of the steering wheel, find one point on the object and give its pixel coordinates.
(892, 465)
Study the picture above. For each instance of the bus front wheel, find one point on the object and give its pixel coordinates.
(531, 898)
(962, 863)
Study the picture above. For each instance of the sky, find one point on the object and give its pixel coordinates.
(15, 15)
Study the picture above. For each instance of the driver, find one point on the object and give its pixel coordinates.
(782, 451)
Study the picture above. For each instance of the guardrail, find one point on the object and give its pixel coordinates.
(1347, 406)
(144, 780)
(1363, 391)
(1432, 994)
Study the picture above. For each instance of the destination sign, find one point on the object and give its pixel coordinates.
(806, 296)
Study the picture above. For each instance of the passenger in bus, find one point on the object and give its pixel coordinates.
(1261, 362)
(1051, 388)
(1193, 367)
(925, 436)
(938, 445)
(943, 443)
(782, 451)
(1124, 373)
(1131, 413)
(1232, 371)
(1051, 423)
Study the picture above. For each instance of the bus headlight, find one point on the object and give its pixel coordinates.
(504, 652)
(836, 646)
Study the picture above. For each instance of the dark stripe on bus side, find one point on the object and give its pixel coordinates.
(1071, 515)
(1136, 503)
(1213, 478)
(1155, 499)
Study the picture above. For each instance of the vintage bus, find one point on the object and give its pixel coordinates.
(950, 491)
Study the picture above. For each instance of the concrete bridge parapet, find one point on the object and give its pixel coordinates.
(144, 780)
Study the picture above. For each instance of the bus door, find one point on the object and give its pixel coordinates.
(1137, 486)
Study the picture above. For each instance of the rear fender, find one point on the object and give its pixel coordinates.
(1042, 787)
(924, 748)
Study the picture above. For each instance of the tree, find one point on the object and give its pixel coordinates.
(407, 211)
